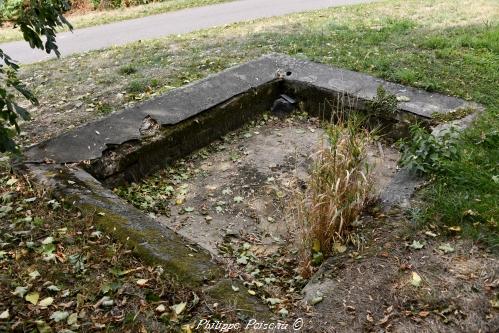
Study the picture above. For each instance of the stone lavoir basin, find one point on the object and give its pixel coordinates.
(228, 165)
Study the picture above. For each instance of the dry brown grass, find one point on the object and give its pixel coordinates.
(339, 189)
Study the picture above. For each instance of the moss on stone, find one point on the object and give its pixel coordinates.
(452, 115)
(187, 266)
(241, 300)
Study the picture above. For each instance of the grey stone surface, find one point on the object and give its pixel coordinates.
(400, 189)
(91, 140)
(161, 245)
(364, 87)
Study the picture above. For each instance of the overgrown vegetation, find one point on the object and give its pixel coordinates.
(127, 70)
(338, 191)
(108, 4)
(383, 104)
(465, 190)
(425, 154)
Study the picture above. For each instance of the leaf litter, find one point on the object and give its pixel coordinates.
(86, 269)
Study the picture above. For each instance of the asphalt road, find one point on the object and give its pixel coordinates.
(177, 22)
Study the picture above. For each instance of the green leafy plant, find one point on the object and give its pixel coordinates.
(34, 19)
(425, 153)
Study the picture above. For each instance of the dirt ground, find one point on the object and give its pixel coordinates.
(375, 291)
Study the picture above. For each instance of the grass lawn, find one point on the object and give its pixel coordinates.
(114, 15)
(447, 46)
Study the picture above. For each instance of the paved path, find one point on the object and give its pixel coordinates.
(177, 22)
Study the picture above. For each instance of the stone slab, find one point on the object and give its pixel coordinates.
(364, 87)
(91, 140)
(186, 260)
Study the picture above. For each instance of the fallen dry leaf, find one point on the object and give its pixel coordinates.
(46, 302)
(142, 282)
(416, 279)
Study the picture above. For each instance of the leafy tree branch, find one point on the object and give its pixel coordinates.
(38, 21)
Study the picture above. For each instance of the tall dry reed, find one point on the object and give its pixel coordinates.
(337, 192)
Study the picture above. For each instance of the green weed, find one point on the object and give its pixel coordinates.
(424, 153)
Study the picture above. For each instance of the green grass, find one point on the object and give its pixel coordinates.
(114, 15)
(465, 193)
(446, 46)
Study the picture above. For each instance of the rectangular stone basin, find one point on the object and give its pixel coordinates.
(84, 165)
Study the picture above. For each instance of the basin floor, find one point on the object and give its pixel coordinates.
(238, 190)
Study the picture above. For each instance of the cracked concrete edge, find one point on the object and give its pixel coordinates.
(89, 141)
(186, 262)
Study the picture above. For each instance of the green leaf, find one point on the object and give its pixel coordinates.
(316, 246)
(72, 319)
(43, 327)
(317, 258)
(339, 248)
(32, 297)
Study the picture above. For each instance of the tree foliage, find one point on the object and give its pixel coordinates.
(36, 19)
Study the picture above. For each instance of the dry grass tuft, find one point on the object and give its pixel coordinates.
(339, 189)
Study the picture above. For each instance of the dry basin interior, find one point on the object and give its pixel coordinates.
(226, 198)
(237, 190)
